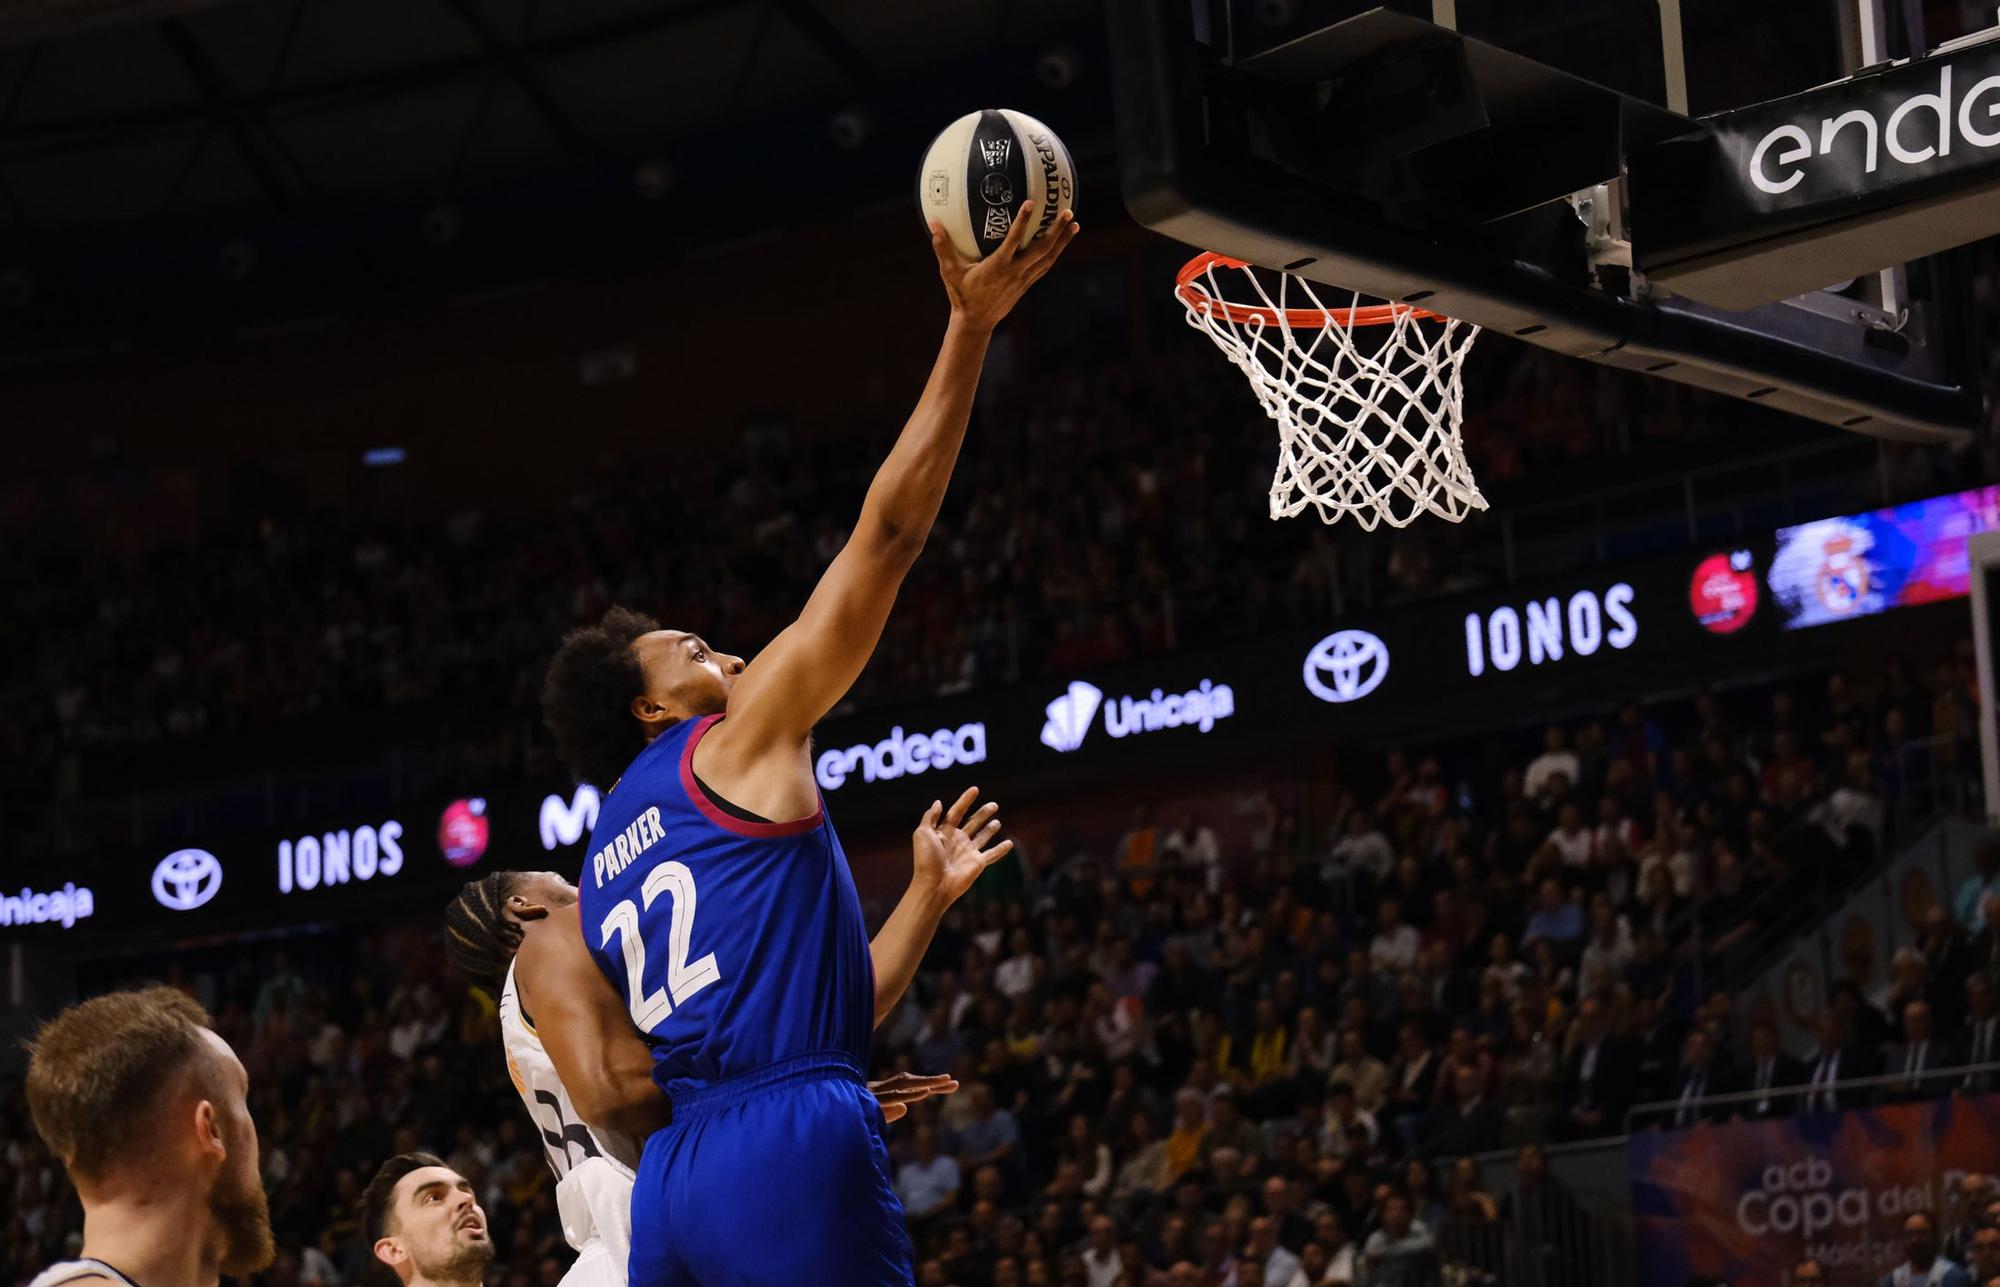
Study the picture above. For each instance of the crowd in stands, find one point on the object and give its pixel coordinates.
(1104, 511)
(1276, 1060)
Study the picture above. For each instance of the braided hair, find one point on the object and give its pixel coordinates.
(480, 938)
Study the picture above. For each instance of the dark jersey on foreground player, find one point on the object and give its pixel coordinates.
(716, 896)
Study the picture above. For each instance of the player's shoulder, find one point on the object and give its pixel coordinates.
(70, 1272)
(558, 944)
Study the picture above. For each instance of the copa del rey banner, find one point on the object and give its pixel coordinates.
(1746, 1201)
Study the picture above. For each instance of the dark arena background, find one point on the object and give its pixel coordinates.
(1598, 892)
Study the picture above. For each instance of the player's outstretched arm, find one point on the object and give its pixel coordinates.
(602, 1060)
(809, 667)
(948, 851)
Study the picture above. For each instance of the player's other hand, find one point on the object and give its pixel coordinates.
(950, 849)
(897, 1092)
(983, 293)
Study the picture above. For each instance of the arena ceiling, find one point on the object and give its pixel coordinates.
(171, 145)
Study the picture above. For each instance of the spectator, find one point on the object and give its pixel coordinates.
(1982, 1031)
(1103, 1266)
(1984, 880)
(1834, 1062)
(1983, 1254)
(1912, 1062)
(1469, 1198)
(1469, 1122)
(1556, 760)
(1184, 1142)
(1401, 1250)
(1922, 1264)
(1768, 1069)
(928, 1182)
(1698, 1078)
(990, 1134)
(1145, 1170)
(1273, 1261)
(1364, 848)
(1600, 1074)
(1556, 919)
(1394, 947)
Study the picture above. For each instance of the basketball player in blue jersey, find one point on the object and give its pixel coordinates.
(716, 896)
(584, 1073)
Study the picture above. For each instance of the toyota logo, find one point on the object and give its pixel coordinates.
(186, 878)
(1346, 666)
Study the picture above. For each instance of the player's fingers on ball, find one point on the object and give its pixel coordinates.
(1054, 239)
(1023, 220)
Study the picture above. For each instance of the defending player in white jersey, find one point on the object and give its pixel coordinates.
(585, 1074)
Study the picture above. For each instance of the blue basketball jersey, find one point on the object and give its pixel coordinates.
(736, 944)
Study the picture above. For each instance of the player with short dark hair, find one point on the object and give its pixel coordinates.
(148, 1110)
(421, 1219)
(716, 896)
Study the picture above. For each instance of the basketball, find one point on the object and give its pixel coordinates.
(980, 170)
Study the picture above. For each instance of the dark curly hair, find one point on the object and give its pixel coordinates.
(478, 936)
(587, 697)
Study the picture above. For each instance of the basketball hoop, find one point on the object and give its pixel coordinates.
(1367, 429)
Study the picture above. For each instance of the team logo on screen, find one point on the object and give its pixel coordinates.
(186, 879)
(1723, 592)
(463, 831)
(1346, 666)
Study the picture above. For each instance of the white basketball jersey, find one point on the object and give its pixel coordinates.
(593, 1168)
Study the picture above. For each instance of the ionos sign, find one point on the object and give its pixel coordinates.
(337, 857)
(1547, 630)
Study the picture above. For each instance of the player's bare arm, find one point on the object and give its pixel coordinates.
(759, 756)
(603, 1061)
(948, 850)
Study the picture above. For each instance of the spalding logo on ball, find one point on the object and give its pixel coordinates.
(981, 169)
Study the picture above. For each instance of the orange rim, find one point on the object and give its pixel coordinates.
(1294, 318)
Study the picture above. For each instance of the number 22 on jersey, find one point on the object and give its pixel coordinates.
(684, 977)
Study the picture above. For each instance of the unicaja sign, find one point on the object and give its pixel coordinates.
(1911, 130)
(1069, 717)
(65, 906)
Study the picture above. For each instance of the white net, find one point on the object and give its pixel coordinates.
(1368, 400)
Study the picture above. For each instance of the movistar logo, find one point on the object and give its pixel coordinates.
(1070, 716)
(564, 822)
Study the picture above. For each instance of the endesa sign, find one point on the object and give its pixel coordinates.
(901, 754)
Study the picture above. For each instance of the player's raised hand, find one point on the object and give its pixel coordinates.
(900, 1090)
(983, 293)
(951, 849)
